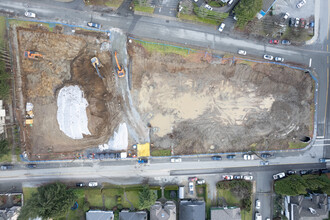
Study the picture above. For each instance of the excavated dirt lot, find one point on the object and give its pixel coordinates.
(201, 106)
(66, 61)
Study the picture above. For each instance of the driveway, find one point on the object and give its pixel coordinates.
(166, 7)
(290, 6)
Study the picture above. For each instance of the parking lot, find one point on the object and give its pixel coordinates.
(290, 6)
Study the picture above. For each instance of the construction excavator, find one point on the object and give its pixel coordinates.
(119, 69)
(32, 54)
(96, 64)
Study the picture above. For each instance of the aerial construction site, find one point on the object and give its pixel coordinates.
(79, 91)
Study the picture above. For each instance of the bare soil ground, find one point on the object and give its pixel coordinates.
(201, 106)
(66, 61)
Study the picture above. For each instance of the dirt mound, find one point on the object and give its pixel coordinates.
(193, 104)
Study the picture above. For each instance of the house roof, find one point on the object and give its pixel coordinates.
(125, 215)
(99, 215)
(230, 213)
(166, 212)
(192, 210)
(267, 4)
(301, 207)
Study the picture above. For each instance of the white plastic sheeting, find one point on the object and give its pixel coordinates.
(119, 141)
(71, 112)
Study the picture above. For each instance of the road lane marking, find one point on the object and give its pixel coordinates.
(327, 59)
(327, 47)
(310, 62)
(326, 102)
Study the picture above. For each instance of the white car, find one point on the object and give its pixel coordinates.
(258, 216)
(208, 7)
(248, 177)
(200, 182)
(241, 52)
(301, 3)
(279, 176)
(221, 27)
(258, 204)
(279, 59)
(286, 16)
(191, 187)
(92, 184)
(176, 160)
(268, 57)
(248, 157)
(30, 14)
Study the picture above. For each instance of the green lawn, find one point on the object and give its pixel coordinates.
(114, 3)
(28, 23)
(94, 197)
(27, 192)
(231, 200)
(7, 157)
(164, 49)
(2, 30)
(246, 215)
(133, 197)
(146, 9)
(297, 145)
(157, 153)
(193, 17)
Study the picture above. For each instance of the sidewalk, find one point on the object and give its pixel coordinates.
(317, 23)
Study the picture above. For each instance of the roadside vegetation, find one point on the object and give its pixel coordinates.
(164, 152)
(246, 10)
(299, 185)
(236, 193)
(109, 3)
(143, 6)
(192, 12)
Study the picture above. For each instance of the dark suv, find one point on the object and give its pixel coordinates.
(231, 156)
(216, 158)
(6, 167)
(265, 155)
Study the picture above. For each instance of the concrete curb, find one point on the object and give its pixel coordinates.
(317, 23)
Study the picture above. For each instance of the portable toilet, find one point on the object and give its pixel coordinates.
(181, 192)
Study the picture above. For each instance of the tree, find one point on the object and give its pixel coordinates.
(3, 147)
(291, 186)
(246, 10)
(50, 201)
(146, 198)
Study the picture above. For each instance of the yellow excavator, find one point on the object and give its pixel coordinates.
(96, 63)
(119, 69)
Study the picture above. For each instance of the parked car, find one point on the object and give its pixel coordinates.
(291, 172)
(231, 156)
(216, 158)
(258, 204)
(302, 23)
(286, 15)
(264, 163)
(303, 172)
(311, 24)
(191, 179)
(273, 41)
(278, 176)
(258, 216)
(291, 22)
(248, 177)
(191, 188)
(208, 7)
(92, 184)
(248, 157)
(268, 57)
(230, 2)
(30, 14)
(80, 184)
(176, 160)
(93, 25)
(238, 177)
(286, 42)
(228, 177)
(241, 52)
(32, 165)
(279, 59)
(6, 167)
(142, 160)
(301, 3)
(296, 24)
(265, 155)
(221, 27)
(200, 182)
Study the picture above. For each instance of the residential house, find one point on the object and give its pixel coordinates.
(127, 215)
(226, 213)
(313, 207)
(266, 6)
(163, 212)
(192, 210)
(99, 215)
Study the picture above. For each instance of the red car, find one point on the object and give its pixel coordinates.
(273, 41)
(302, 23)
(192, 179)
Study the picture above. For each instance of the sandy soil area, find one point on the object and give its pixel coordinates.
(199, 107)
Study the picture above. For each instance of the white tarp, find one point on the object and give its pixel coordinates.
(71, 112)
(119, 141)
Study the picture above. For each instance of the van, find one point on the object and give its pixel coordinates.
(176, 160)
